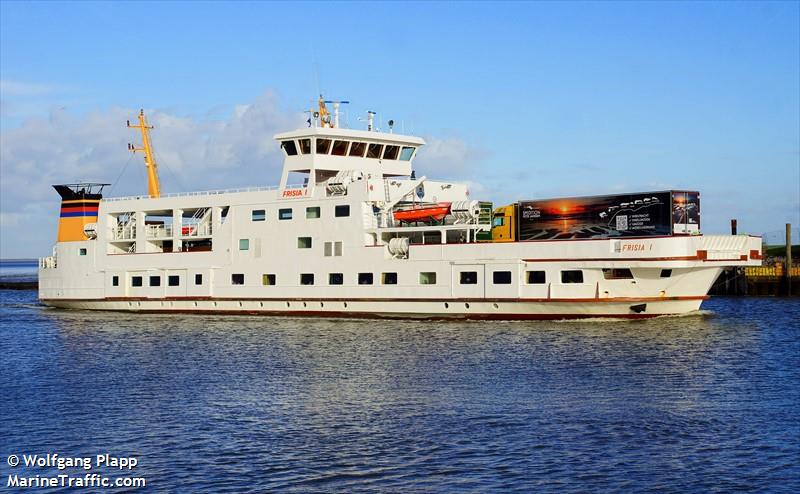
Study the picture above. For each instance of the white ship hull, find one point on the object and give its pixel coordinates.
(405, 309)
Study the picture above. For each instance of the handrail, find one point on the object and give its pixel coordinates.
(204, 192)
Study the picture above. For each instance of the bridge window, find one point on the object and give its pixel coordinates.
(307, 279)
(268, 279)
(335, 278)
(237, 279)
(323, 146)
(259, 215)
(342, 210)
(357, 149)
(501, 277)
(466, 278)
(374, 151)
(406, 153)
(289, 148)
(535, 277)
(666, 273)
(364, 278)
(617, 274)
(312, 212)
(305, 146)
(339, 148)
(136, 281)
(174, 280)
(427, 278)
(285, 214)
(388, 278)
(572, 276)
(391, 152)
(303, 242)
(155, 281)
(82, 252)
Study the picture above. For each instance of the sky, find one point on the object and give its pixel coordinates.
(521, 100)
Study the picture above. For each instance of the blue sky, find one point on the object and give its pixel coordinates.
(531, 100)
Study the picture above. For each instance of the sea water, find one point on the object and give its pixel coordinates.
(706, 402)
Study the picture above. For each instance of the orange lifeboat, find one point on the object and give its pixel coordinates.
(424, 214)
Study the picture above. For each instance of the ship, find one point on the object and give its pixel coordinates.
(352, 231)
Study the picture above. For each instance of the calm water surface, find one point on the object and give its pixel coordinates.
(246, 404)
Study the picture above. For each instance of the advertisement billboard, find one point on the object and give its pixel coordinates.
(621, 215)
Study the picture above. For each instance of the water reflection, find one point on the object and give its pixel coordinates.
(303, 404)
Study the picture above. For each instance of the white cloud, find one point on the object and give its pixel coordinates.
(193, 154)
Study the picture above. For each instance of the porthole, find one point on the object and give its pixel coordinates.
(130, 304)
(261, 304)
(322, 304)
(240, 304)
(288, 304)
(345, 305)
(304, 304)
(466, 306)
(215, 304)
(495, 306)
(446, 305)
(195, 304)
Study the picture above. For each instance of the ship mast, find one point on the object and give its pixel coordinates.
(153, 184)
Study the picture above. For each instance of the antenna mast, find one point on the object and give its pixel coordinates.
(153, 184)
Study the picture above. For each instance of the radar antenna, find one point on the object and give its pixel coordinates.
(325, 116)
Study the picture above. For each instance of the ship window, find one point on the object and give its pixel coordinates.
(259, 215)
(323, 146)
(357, 149)
(244, 244)
(388, 278)
(617, 274)
(237, 279)
(339, 148)
(335, 278)
(305, 146)
(374, 151)
(136, 281)
(307, 279)
(391, 152)
(155, 281)
(198, 279)
(467, 278)
(82, 252)
(572, 276)
(268, 279)
(427, 278)
(364, 278)
(501, 277)
(289, 147)
(115, 281)
(285, 214)
(312, 212)
(498, 221)
(303, 242)
(328, 249)
(174, 280)
(406, 153)
(535, 277)
(666, 273)
(342, 210)
(337, 249)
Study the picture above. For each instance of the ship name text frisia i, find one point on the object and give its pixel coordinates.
(363, 236)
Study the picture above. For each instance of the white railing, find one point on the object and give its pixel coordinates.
(203, 193)
(124, 232)
(158, 231)
(48, 262)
